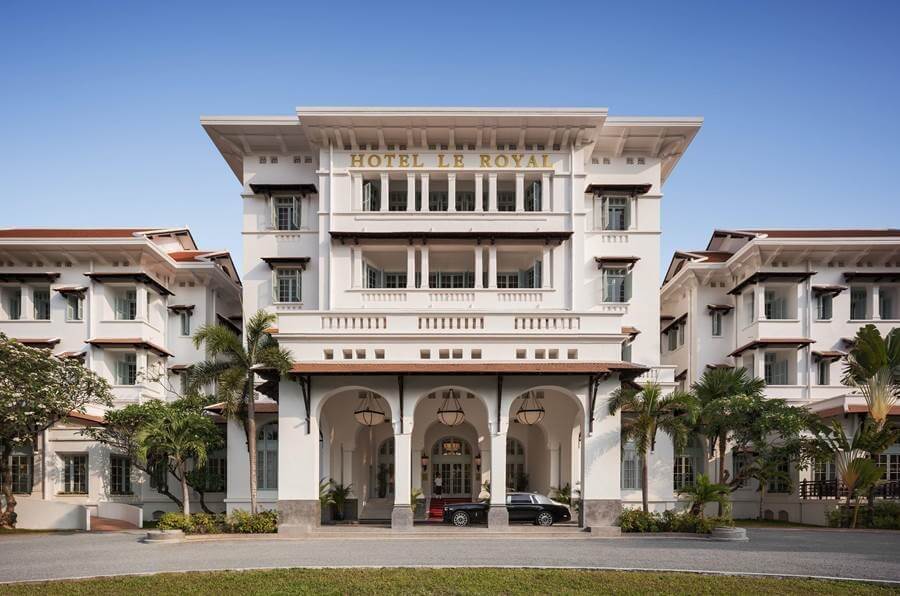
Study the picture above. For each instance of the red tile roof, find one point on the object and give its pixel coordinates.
(798, 342)
(71, 232)
(189, 255)
(400, 368)
(134, 342)
(829, 233)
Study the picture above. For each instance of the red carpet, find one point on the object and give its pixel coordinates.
(436, 508)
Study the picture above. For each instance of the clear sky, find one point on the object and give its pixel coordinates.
(100, 102)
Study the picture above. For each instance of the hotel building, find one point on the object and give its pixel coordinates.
(461, 289)
(125, 302)
(785, 305)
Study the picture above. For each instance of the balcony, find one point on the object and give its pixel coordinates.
(834, 489)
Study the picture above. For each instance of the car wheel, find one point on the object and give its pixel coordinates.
(544, 518)
(460, 519)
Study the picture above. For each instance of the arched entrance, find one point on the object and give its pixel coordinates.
(451, 468)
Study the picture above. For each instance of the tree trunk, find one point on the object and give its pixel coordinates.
(185, 490)
(855, 512)
(7, 515)
(762, 497)
(251, 439)
(203, 505)
(644, 499)
(722, 438)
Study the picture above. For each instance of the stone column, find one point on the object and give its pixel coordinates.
(498, 516)
(410, 266)
(492, 192)
(545, 192)
(479, 266)
(411, 192)
(355, 192)
(424, 192)
(479, 192)
(760, 300)
(298, 469)
(357, 267)
(759, 363)
(602, 464)
(554, 449)
(26, 311)
(423, 283)
(546, 258)
(385, 190)
(402, 515)
(451, 192)
(492, 268)
(140, 295)
(876, 302)
(520, 192)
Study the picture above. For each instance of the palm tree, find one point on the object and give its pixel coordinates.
(231, 366)
(179, 436)
(860, 475)
(713, 391)
(702, 492)
(645, 412)
(871, 353)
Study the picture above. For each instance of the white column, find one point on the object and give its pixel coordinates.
(141, 297)
(876, 302)
(492, 192)
(424, 267)
(355, 192)
(760, 301)
(545, 192)
(410, 266)
(411, 192)
(424, 192)
(27, 310)
(497, 515)
(298, 469)
(601, 463)
(415, 467)
(479, 266)
(479, 192)
(546, 259)
(520, 192)
(759, 363)
(554, 464)
(385, 190)
(451, 192)
(492, 268)
(402, 515)
(357, 267)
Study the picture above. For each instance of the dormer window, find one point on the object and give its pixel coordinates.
(287, 213)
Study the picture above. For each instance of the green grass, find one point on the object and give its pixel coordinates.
(443, 581)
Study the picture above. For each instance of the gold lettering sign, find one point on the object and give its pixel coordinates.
(455, 160)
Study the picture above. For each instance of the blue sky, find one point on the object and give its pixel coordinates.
(100, 102)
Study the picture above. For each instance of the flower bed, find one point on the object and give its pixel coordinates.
(238, 522)
(635, 520)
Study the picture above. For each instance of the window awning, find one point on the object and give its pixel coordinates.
(681, 376)
(829, 355)
(720, 307)
(629, 189)
(675, 323)
(180, 368)
(229, 323)
(872, 276)
(478, 236)
(268, 189)
(28, 276)
(71, 290)
(785, 342)
(181, 307)
(135, 277)
(796, 276)
(43, 343)
(274, 262)
(626, 262)
(833, 290)
(129, 342)
(632, 332)
(718, 365)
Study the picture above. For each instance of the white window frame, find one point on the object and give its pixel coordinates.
(854, 311)
(533, 196)
(750, 306)
(119, 475)
(716, 323)
(776, 306)
(291, 205)
(280, 274)
(75, 307)
(371, 195)
(775, 371)
(631, 467)
(267, 457)
(184, 323)
(615, 213)
(824, 307)
(622, 292)
(44, 304)
(887, 307)
(75, 471)
(126, 369)
(12, 296)
(22, 470)
(125, 304)
(823, 372)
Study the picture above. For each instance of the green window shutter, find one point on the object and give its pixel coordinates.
(628, 286)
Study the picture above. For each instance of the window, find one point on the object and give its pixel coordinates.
(775, 305)
(507, 279)
(626, 351)
(533, 196)
(465, 201)
(371, 196)
(126, 370)
(287, 284)
(184, 321)
(516, 477)
(631, 467)
(614, 213)
(397, 200)
(12, 301)
(42, 304)
(451, 279)
(438, 200)
(739, 462)
(394, 279)
(74, 480)
(287, 213)
(716, 323)
(216, 471)
(159, 474)
(506, 201)
(886, 303)
(616, 285)
(672, 339)
(824, 305)
(267, 457)
(824, 470)
(126, 305)
(532, 276)
(681, 329)
(22, 479)
(891, 464)
(776, 371)
(782, 481)
(119, 475)
(858, 299)
(823, 372)
(750, 306)
(74, 307)
(684, 471)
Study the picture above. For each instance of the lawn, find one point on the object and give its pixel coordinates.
(443, 581)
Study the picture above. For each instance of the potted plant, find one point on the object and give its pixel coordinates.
(339, 495)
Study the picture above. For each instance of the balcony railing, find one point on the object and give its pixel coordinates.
(834, 489)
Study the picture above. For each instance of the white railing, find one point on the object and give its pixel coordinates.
(422, 299)
(381, 297)
(451, 296)
(451, 322)
(619, 308)
(520, 297)
(548, 323)
(353, 322)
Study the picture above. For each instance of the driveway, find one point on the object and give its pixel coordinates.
(830, 553)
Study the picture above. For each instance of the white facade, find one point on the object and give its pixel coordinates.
(495, 252)
(785, 304)
(125, 301)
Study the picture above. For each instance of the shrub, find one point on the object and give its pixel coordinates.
(175, 521)
(885, 517)
(635, 520)
(243, 522)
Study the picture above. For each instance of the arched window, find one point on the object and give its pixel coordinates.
(267, 457)
(516, 477)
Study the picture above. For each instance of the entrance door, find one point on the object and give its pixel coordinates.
(451, 468)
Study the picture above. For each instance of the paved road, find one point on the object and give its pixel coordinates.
(861, 555)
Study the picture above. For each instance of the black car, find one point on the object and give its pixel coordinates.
(522, 507)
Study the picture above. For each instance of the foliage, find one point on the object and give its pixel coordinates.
(885, 515)
(238, 522)
(702, 492)
(338, 497)
(231, 365)
(636, 520)
(880, 392)
(646, 412)
(414, 495)
(36, 391)
(872, 353)
(325, 493)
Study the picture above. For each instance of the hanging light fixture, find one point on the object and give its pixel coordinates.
(369, 413)
(530, 410)
(451, 413)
